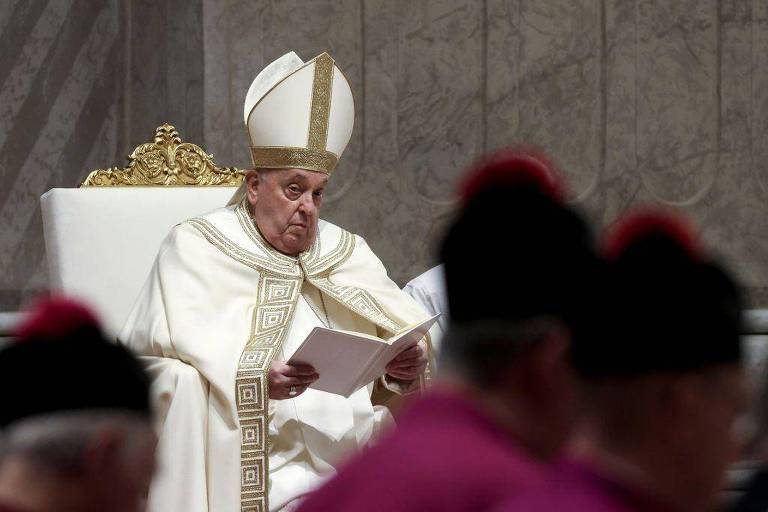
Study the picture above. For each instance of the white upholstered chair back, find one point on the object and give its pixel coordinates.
(102, 238)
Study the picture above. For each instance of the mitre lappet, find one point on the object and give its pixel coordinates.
(299, 115)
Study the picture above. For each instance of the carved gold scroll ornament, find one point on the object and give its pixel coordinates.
(167, 161)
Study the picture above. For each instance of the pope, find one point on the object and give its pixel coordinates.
(232, 295)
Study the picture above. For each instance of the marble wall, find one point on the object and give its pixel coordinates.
(638, 100)
(82, 82)
(662, 101)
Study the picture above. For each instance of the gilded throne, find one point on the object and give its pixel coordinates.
(102, 237)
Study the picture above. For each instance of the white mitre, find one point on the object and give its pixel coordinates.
(299, 115)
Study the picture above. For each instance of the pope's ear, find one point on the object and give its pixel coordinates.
(251, 185)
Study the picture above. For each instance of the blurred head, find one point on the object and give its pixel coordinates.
(515, 311)
(665, 378)
(285, 204)
(87, 460)
(77, 435)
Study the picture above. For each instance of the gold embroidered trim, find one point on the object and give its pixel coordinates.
(320, 110)
(312, 260)
(278, 157)
(278, 291)
(248, 258)
(275, 306)
(249, 227)
(314, 263)
(313, 251)
(359, 301)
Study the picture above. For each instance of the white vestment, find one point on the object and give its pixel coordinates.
(219, 305)
(428, 289)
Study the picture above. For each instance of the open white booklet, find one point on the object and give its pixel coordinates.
(347, 361)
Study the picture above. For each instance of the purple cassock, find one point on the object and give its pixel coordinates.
(445, 455)
(575, 487)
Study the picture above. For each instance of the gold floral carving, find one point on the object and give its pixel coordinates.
(167, 161)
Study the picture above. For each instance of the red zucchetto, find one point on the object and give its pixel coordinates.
(62, 362)
(516, 251)
(55, 317)
(645, 222)
(514, 168)
(667, 306)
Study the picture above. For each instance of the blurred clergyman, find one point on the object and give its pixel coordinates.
(664, 382)
(504, 404)
(75, 430)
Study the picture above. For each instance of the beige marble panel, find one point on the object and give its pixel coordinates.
(440, 93)
(638, 100)
(165, 68)
(247, 42)
(619, 182)
(69, 96)
(758, 85)
(184, 74)
(746, 240)
(384, 204)
(147, 101)
(310, 28)
(244, 36)
(88, 82)
(503, 54)
(678, 116)
(560, 86)
(217, 114)
(732, 214)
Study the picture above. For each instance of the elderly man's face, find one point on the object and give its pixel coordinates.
(286, 206)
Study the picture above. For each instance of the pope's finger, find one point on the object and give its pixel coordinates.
(416, 361)
(412, 369)
(411, 353)
(409, 368)
(296, 370)
(397, 365)
(304, 380)
(404, 375)
(406, 358)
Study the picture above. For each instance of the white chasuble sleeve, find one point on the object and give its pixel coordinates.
(217, 300)
(192, 319)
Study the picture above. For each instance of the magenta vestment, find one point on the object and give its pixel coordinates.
(444, 455)
(575, 487)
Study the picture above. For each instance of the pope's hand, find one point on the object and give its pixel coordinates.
(409, 364)
(289, 380)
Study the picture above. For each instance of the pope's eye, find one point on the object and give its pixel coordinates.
(294, 189)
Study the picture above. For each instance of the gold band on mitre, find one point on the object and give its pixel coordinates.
(278, 157)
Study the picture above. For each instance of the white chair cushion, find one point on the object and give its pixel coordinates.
(101, 242)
